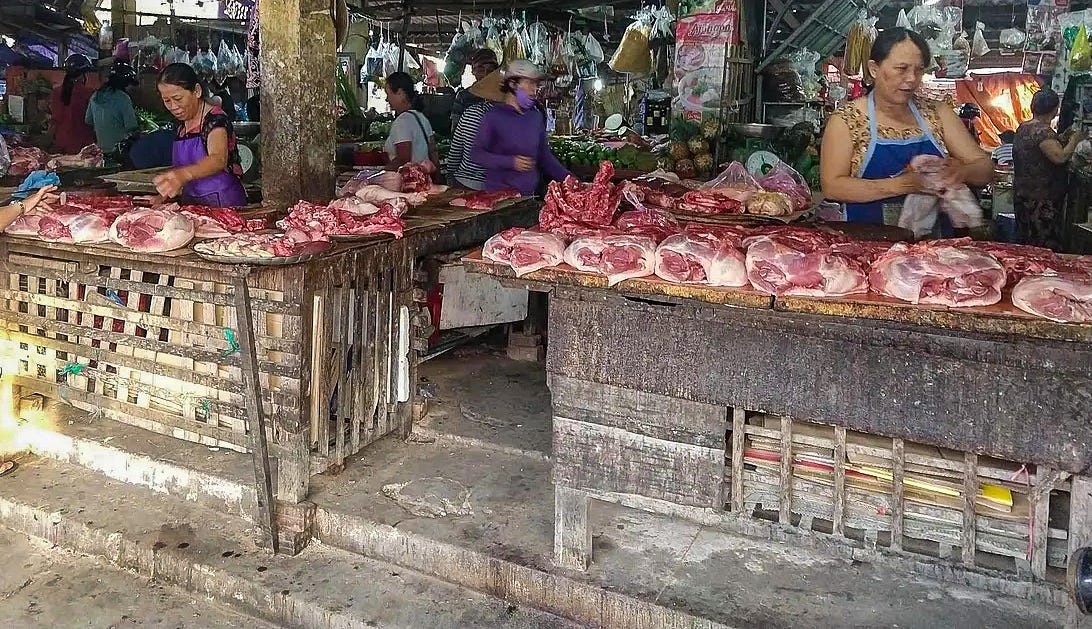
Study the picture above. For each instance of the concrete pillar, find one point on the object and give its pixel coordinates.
(298, 126)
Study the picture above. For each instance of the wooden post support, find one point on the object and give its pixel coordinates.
(838, 523)
(739, 421)
(785, 497)
(298, 59)
(252, 397)
(572, 536)
(970, 495)
(1080, 535)
(898, 504)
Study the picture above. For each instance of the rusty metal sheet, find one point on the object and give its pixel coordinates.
(565, 275)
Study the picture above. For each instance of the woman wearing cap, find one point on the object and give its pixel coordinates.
(111, 110)
(511, 145)
(206, 168)
(68, 107)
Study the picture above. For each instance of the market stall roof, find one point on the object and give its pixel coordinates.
(41, 19)
(433, 23)
(823, 31)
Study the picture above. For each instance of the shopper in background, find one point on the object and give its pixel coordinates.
(68, 107)
(111, 110)
(461, 168)
(482, 63)
(411, 138)
(1039, 176)
(1002, 155)
(511, 145)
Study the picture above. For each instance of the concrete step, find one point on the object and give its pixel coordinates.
(647, 570)
(214, 554)
(218, 478)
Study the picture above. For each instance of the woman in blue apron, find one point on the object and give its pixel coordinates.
(205, 163)
(868, 144)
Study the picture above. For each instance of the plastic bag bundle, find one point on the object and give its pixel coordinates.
(1080, 56)
(804, 61)
(859, 45)
(1012, 40)
(587, 53)
(633, 54)
(979, 47)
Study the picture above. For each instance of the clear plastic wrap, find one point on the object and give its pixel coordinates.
(784, 178)
(979, 47)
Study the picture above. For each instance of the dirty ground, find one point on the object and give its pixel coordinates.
(50, 587)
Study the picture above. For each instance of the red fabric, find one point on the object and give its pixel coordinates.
(1005, 101)
(71, 133)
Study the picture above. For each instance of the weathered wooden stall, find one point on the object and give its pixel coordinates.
(878, 429)
(156, 341)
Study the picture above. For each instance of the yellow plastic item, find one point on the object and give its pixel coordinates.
(1080, 57)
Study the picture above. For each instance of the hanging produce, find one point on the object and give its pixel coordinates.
(633, 54)
(859, 45)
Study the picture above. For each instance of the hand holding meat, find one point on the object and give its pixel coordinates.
(524, 164)
(169, 184)
(43, 199)
(943, 190)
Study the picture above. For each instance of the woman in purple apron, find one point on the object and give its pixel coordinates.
(868, 144)
(206, 168)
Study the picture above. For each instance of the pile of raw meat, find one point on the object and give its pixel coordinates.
(78, 219)
(412, 182)
(787, 260)
(89, 156)
(216, 222)
(348, 216)
(26, 160)
(484, 200)
(573, 208)
(152, 230)
(288, 244)
(780, 193)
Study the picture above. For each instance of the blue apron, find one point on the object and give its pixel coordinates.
(888, 158)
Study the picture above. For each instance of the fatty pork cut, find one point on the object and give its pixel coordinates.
(152, 230)
(804, 262)
(943, 274)
(525, 250)
(618, 257)
(1062, 298)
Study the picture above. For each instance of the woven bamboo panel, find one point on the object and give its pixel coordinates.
(154, 350)
(900, 495)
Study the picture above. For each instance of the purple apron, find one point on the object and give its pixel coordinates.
(220, 190)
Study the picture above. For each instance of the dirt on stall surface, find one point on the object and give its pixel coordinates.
(483, 461)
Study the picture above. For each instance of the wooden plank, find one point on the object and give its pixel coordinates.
(638, 412)
(357, 381)
(785, 493)
(611, 459)
(898, 504)
(839, 504)
(970, 494)
(572, 535)
(383, 352)
(344, 393)
(259, 450)
(739, 418)
(1040, 519)
(320, 430)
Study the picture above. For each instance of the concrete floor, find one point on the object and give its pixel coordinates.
(489, 427)
(42, 586)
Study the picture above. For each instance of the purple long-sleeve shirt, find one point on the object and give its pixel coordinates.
(506, 133)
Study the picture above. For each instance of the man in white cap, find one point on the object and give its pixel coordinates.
(511, 144)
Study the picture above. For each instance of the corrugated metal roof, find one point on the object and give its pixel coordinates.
(824, 31)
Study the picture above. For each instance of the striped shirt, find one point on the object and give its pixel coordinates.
(461, 169)
(1003, 154)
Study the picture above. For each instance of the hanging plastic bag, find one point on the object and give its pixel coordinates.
(859, 45)
(979, 47)
(736, 177)
(903, 21)
(538, 44)
(784, 178)
(633, 54)
(1011, 40)
(1080, 57)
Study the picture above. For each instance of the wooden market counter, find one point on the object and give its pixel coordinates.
(155, 340)
(867, 421)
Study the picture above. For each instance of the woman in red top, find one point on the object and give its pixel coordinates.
(69, 106)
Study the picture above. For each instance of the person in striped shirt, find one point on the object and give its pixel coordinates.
(1003, 154)
(461, 169)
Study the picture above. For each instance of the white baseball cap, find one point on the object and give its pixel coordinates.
(522, 69)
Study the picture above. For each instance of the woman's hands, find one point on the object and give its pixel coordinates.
(44, 198)
(169, 184)
(523, 163)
